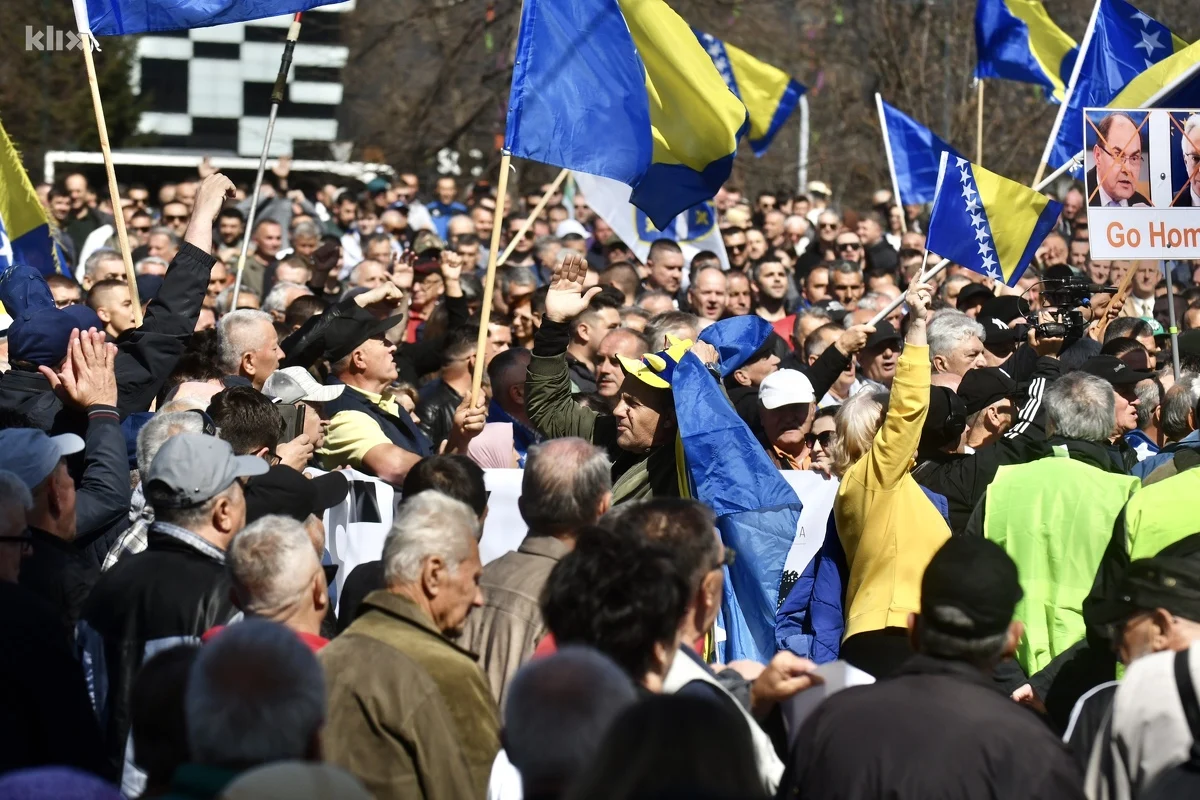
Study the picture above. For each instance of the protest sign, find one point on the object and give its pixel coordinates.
(1143, 183)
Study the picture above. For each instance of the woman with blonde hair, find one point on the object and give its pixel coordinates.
(887, 525)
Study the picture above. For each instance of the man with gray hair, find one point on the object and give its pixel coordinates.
(566, 487)
(102, 265)
(280, 297)
(410, 713)
(1190, 145)
(254, 696)
(1180, 415)
(277, 575)
(247, 298)
(247, 346)
(955, 343)
(1054, 516)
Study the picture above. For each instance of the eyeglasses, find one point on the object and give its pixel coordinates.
(824, 438)
(829, 226)
(1133, 159)
(849, 246)
(173, 218)
(737, 248)
(140, 228)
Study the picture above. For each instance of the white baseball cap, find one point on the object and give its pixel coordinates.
(293, 384)
(570, 226)
(785, 387)
(31, 455)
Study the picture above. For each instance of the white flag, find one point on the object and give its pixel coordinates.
(694, 230)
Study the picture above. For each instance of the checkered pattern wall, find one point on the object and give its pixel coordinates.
(209, 88)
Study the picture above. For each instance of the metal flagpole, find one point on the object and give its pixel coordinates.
(887, 148)
(1174, 329)
(276, 100)
(802, 170)
(88, 41)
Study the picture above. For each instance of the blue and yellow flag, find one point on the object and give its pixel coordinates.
(1016, 40)
(120, 17)
(623, 89)
(1173, 82)
(769, 94)
(24, 226)
(914, 153)
(1121, 43)
(987, 223)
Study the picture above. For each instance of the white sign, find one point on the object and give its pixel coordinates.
(1143, 183)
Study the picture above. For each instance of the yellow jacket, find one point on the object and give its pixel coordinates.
(886, 524)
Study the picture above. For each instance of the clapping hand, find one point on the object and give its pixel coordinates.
(87, 377)
(566, 297)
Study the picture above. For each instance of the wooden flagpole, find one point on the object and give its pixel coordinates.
(489, 283)
(528, 223)
(88, 42)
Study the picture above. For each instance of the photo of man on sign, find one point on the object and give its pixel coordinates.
(1118, 156)
(1185, 190)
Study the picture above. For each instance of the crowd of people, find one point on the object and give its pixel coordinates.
(1010, 520)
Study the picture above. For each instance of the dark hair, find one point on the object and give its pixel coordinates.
(61, 281)
(607, 297)
(232, 212)
(537, 303)
(1131, 327)
(1122, 345)
(459, 342)
(661, 246)
(619, 593)
(684, 526)
(198, 363)
(100, 288)
(302, 309)
(156, 714)
(247, 419)
(455, 476)
(672, 745)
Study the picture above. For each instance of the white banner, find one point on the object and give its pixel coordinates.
(694, 230)
(1142, 178)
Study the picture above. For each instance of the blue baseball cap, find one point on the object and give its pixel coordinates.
(84, 317)
(41, 337)
(22, 289)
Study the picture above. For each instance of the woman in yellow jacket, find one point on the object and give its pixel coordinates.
(887, 526)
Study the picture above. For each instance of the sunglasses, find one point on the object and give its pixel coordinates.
(824, 439)
(849, 246)
(526, 235)
(140, 228)
(173, 218)
(737, 248)
(829, 226)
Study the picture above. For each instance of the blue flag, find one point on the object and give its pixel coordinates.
(913, 153)
(1016, 40)
(120, 17)
(624, 90)
(757, 511)
(24, 227)
(1120, 44)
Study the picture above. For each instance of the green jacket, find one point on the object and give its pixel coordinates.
(410, 712)
(1054, 517)
(554, 412)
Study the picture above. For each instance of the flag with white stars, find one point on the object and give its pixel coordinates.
(987, 223)
(1121, 43)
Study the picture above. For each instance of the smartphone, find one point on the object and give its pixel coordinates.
(293, 420)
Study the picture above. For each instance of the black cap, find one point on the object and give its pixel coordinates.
(837, 311)
(972, 293)
(1170, 582)
(1114, 370)
(996, 331)
(285, 491)
(884, 332)
(945, 422)
(1005, 308)
(982, 386)
(975, 577)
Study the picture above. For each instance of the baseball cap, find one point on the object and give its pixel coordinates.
(1005, 308)
(1155, 325)
(31, 455)
(945, 421)
(884, 332)
(1114, 370)
(972, 293)
(343, 334)
(996, 331)
(148, 287)
(41, 337)
(982, 386)
(293, 384)
(425, 241)
(378, 185)
(22, 289)
(83, 317)
(837, 311)
(975, 577)
(819, 187)
(193, 468)
(785, 387)
(283, 490)
(570, 226)
(1164, 581)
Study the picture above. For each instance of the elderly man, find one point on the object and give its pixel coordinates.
(177, 588)
(610, 377)
(566, 487)
(879, 356)
(955, 343)
(1190, 146)
(281, 296)
(708, 293)
(1117, 155)
(248, 345)
(410, 712)
(268, 241)
(255, 695)
(823, 246)
(163, 243)
(103, 265)
(1123, 379)
(1058, 511)
(785, 405)
(640, 433)
(846, 284)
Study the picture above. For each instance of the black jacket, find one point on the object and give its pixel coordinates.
(436, 409)
(963, 479)
(46, 717)
(936, 729)
(59, 574)
(414, 360)
(882, 255)
(167, 595)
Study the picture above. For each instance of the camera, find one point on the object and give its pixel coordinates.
(1067, 296)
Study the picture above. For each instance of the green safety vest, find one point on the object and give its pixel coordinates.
(1054, 517)
(1162, 514)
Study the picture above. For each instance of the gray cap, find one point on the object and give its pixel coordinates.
(31, 455)
(292, 384)
(194, 468)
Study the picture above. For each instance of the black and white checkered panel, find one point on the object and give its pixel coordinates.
(228, 72)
